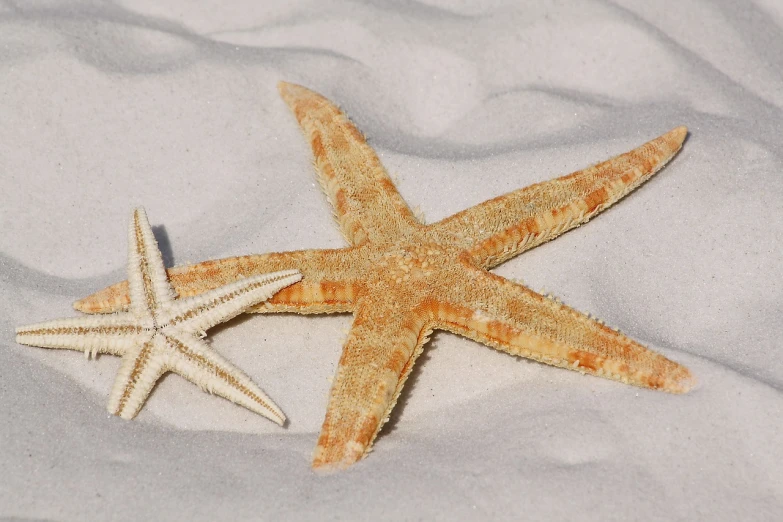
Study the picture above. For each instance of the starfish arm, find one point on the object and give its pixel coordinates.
(514, 319)
(365, 201)
(503, 227)
(198, 363)
(202, 312)
(377, 359)
(114, 334)
(150, 290)
(139, 371)
(324, 288)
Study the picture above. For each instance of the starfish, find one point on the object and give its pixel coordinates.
(402, 279)
(161, 333)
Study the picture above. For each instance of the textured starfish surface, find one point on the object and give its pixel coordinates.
(402, 279)
(160, 333)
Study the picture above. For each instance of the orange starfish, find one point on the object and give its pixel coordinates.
(402, 279)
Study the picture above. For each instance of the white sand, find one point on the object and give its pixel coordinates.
(104, 107)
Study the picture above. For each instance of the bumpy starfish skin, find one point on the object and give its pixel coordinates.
(402, 279)
(161, 333)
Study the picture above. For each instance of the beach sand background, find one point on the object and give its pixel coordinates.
(105, 106)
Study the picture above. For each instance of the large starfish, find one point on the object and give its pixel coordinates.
(402, 279)
(161, 333)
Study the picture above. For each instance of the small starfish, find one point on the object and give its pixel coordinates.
(161, 333)
(402, 279)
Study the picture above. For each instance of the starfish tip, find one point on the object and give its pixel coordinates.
(678, 134)
(140, 212)
(325, 460)
(125, 414)
(297, 96)
(287, 89)
(328, 468)
(82, 305)
(686, 383)
(679, 381)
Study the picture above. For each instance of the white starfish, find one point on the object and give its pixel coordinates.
(161, 333)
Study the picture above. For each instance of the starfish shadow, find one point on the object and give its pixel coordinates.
(241, 318)
(410, 384)
(405, 394)
(164, 245)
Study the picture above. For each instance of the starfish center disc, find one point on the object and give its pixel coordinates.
(415, 262)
